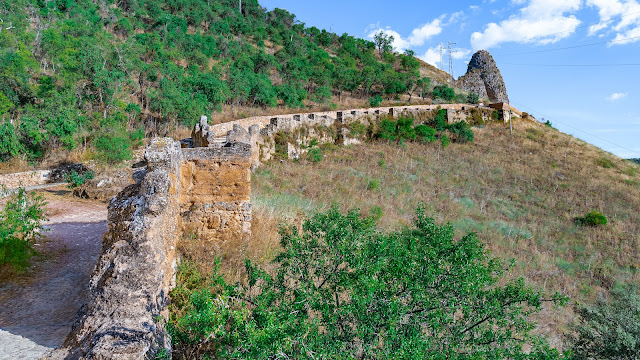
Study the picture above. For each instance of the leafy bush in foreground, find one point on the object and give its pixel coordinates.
(344, 290)
(20, 225)
(610, 329)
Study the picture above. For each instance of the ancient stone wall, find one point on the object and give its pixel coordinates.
(203, 190)
(264, 134)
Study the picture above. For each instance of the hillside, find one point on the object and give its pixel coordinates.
(97, 77)
(520, 193)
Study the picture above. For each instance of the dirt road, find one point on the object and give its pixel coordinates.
(39, 307)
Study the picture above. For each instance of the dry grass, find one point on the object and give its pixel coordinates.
(520, 193)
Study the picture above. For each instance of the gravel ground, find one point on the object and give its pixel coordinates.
(39, 307)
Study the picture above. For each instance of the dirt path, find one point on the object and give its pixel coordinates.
(39, 307)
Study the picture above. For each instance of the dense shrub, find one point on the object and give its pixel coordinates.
(75, 180)
(443, 92)
(20, 225)
(9, 143)
(113, 148)
(425, 133)
(315, 154)
(609, 330)
(461, 131)
(342, 289)
(593, 218)
(375, 101)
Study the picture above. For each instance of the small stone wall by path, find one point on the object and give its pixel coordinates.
(25, 179)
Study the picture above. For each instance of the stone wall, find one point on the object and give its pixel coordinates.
(25, 179)
(263, 133)
(205, 190)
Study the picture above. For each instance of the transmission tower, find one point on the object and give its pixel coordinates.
(450, 51)
(441, 57)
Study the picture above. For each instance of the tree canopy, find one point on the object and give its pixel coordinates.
(342, 289)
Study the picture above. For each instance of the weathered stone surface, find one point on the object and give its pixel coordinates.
(136, 269)
(483, 78)
(206, 189)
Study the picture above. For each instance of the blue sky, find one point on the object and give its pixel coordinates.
(529, 41)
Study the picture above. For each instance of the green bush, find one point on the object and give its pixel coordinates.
(443, 92)
(425, 133)
(609, 330)
(593, 218)
(20, 225)
(405, 130)
(461, 131)
(444, 140)
(9, 143)
(387, 130)
(373, 184)
(315, 155)
(343, 289)
(375, 101)
(357, 129)
(75, 180)
(473, 98)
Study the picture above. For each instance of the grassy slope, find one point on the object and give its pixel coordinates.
(520, 193)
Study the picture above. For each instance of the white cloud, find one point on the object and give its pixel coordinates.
(616, 96)
(540, 22)
(417, 38)
(619, 16)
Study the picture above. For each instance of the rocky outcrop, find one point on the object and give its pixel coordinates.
(483, 78)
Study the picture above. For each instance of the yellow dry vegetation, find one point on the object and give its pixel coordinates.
(521, 193)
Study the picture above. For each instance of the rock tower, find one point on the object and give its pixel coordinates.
(483, 78)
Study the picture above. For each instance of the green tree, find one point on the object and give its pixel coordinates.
(443, 92)
(5, 104)
(342, 289)
(383, 42)
(9, 143)
(609, 330)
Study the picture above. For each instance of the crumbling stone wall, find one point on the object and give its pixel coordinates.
(266, 135)
(215, 193)
(206, 190)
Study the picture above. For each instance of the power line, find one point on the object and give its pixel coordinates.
(574, 65)
(571, 47)
(575, 128)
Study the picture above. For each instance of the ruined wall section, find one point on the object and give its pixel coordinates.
(136, 269)
(215, 194)
(206, 190)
